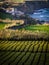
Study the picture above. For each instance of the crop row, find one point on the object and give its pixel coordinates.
(25, 46)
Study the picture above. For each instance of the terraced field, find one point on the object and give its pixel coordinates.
(24, 52)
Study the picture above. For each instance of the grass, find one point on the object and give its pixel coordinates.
(44, 28)
(4, 16)
(29, 46)
(2, 25)
(13, 53)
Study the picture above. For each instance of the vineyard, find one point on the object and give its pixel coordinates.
(24, 52)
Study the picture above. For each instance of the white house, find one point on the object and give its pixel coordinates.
(14, 11)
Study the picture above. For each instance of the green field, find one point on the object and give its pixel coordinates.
(2, 25)
(4, 16)
(24, 52)
(44, 28)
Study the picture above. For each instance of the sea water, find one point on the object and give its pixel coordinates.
(41, 14)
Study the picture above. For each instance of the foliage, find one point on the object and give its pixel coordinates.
(5, 15)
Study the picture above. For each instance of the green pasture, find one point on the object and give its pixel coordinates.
(2, 25)
(44, 28)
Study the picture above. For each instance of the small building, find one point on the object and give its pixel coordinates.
(14, 11)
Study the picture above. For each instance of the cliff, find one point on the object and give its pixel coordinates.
(30, 6)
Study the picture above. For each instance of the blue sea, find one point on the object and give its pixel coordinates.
(41, 14)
